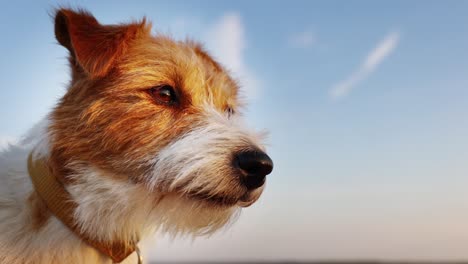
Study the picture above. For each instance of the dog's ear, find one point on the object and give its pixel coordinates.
(94, 47)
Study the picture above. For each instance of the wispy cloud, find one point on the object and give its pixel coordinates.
(226, 40)
(303, 39)
(383, 49)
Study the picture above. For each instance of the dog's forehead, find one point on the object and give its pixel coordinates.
(183, 65)
(217, 81)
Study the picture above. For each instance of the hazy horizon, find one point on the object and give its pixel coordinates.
(313, 262)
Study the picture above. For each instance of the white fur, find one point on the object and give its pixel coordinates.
(203, 155)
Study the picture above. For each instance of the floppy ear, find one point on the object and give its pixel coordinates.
(94, 47)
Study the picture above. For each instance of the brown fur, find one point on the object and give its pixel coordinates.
(39, 212)
(108, 94)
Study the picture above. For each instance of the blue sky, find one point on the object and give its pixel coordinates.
(366, 103)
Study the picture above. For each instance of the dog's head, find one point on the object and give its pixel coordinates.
(158, 114)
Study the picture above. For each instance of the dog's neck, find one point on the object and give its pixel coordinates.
(31, 234)
(63, 207)
(108, 207)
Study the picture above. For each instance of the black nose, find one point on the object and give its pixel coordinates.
(254, 165)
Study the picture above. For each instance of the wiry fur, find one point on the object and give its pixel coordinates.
(131, 165)
(192, 163)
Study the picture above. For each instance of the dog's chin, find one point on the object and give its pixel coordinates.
(250, 198)
(244, 200)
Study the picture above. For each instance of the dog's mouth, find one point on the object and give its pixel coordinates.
(224, 201)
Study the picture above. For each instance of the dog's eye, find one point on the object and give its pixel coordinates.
(163, 94)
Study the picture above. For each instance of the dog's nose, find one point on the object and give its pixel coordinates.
(254, 165)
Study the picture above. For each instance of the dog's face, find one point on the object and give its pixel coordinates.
(158, 113)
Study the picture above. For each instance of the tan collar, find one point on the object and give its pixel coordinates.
(60, 203)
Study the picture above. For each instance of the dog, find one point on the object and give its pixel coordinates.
(148, 137)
